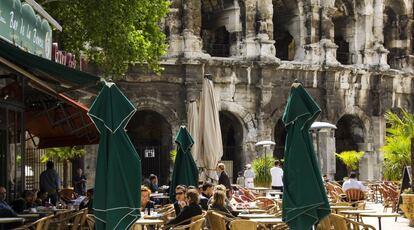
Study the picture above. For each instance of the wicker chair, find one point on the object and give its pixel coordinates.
(338, 222)
(195, 225)
(40, 224)
(217, 221)
(353, 195)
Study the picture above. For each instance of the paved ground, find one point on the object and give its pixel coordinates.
(387, 223)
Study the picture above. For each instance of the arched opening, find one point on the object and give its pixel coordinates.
(218, 32)
(152, 137)
(349, 134)
(286, 29)
(280, 138)
(342, 31)
(232, 136)
(396, 32)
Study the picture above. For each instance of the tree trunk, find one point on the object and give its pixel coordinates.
(65, 173)
(412, 163)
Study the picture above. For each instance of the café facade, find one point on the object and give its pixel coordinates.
(39, 89)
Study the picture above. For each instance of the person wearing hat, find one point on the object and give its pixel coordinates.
(249, 177)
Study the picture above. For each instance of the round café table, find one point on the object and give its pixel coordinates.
(379, 215)
(255, 215)
(9, 220)
(145, 222)
(336, 209)
(356, 212)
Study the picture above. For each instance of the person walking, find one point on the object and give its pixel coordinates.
(249, 177)
(50, 182)
(277, 176)
(224, 179)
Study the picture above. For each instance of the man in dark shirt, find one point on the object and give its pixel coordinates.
(154, 183)
(206, 193)
(50, 182)
(5, 209)
(192, 209)
(224, 179)
(79, 182)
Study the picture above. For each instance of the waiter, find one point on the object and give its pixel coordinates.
(249, 177)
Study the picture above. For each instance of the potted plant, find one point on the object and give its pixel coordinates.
(350, 159)
(261, 167)
(408, 205)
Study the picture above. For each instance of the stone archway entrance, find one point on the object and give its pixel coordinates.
(280, 138)
(232, 136)
(349, 133)
(151, 135)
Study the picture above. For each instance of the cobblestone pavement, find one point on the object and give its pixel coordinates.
(387, 223)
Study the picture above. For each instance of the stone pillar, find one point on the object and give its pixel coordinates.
(378, 131)
(326, 147)
(193, 44)
(251, 48)
(367, 165)
(173, 29)
(324, 144)
(327, 26)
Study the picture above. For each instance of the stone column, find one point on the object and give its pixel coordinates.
(326, 151)
(264, 24)
(251, 48)
(193, 44)
(173, 29)
(379, 57)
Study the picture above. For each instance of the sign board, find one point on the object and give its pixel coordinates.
(20, 26)
(149, 153)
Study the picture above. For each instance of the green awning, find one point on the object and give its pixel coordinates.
(45, 69)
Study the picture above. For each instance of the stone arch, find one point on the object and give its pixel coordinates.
(344, 31)
(154, 106)
(151, 135)
(396, 32)
(249, 125)
(350, 134)
(232, 133)
(289, 29)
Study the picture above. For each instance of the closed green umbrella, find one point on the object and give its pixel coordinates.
(304, 197)
(185, 169)
(117, 192)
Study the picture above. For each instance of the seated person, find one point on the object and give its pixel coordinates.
(206, 193)
(179, 204)
(353, 183)
(41, 198)
(5, 209)
(219, 203)
(146, 203)
(153, 183)
(227, 203)
(26, 201)
(88, 201)
(190, 210)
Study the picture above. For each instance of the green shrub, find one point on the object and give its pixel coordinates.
(261, 167)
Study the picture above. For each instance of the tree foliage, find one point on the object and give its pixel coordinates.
(350, 159)
(111, 33)
(63, 153)
(400, 130)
